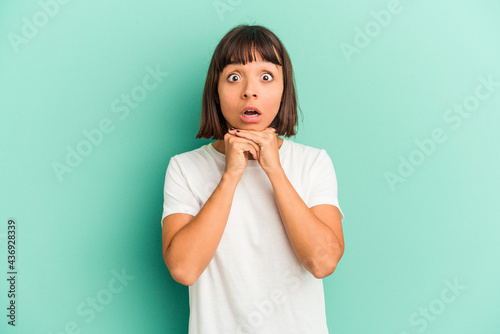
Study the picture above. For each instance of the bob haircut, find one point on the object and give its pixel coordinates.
(238, 46)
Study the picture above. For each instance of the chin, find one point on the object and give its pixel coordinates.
(253, 127)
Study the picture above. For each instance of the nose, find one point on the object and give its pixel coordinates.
(250, 89)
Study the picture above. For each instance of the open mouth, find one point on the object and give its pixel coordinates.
(251, 113)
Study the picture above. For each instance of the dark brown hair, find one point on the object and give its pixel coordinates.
(238, 46)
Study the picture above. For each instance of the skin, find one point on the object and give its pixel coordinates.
(189, 243)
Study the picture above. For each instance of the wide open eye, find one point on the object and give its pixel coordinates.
(232, 76)
(267, 76)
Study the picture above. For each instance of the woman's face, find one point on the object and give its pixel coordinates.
(257, 86)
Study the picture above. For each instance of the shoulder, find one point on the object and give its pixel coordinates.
(304, 151)
(197, 155)
(307, 158)
(197, 163)
(301, 147)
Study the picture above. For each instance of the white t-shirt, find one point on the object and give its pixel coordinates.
(255, 282)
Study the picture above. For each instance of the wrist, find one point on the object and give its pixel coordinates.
(276, 174)
(230, 179)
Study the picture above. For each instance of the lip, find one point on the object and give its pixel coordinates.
(250, 108)
(250, 119)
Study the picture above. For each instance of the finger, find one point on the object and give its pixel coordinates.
(230, 136)
(245, 143)
(254, 153)
(250, 149)
(256, 136)
(264, 133)
(254, 149)
(227, 136)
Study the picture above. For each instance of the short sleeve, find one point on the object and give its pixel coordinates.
(323, 183)
(177, 195)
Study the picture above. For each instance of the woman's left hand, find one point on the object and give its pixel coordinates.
(268, 143)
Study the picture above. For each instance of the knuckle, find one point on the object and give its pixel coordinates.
(238, 145)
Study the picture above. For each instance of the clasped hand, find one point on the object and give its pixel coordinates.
(262, 145)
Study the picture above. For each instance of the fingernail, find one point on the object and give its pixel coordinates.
(232, 129)
(237, 130)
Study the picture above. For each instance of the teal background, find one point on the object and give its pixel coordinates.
(367, 110)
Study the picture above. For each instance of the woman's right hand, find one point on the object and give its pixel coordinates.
(236, 151)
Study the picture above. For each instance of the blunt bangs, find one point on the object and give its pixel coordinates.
(241, 49)
(240, 46)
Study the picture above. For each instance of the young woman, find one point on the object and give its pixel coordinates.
(252, 222)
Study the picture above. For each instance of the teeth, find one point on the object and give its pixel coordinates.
(251, 112)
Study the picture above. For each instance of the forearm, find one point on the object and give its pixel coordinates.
(193, 246)
(314, 242)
